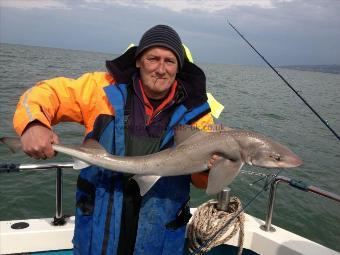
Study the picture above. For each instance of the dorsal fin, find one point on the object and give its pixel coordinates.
(91, 145)
(183, 132)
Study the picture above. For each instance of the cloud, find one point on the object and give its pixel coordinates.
(33, 4)
(287, 32)
(173, 5)
(181, 5)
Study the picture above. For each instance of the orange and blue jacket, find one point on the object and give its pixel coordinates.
(79, 100)
(97, 100)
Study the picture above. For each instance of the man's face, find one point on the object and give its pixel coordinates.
(158, 67)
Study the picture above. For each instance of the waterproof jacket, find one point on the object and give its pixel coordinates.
(97, 100)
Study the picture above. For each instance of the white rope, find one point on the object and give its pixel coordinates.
(207, 221)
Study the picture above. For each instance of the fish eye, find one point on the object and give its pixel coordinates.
(276, 157)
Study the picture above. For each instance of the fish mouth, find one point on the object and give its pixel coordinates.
(288, 162)
(294, 162)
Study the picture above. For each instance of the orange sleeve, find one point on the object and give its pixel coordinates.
(62, 99)
(200, 180)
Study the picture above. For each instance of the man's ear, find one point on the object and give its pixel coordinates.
(138, 63)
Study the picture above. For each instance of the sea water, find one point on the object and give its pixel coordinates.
(254, 99)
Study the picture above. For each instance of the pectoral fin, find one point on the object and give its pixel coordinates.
(79, 164)
(222, 174)
(145, 182)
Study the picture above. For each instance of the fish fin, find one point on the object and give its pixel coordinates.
(145, 182)
(183, 132)
(13, 143)
(222, 174)
(92, 146)
(79, 164)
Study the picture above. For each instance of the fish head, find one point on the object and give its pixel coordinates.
(271, 154)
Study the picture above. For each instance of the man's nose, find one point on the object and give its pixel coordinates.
(161, 67)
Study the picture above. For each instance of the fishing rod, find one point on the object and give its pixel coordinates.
(286, 82)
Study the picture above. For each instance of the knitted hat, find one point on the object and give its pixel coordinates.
(165, 36)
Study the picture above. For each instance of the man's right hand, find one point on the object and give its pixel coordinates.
(37, 140)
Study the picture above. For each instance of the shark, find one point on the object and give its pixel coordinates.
(191, 153)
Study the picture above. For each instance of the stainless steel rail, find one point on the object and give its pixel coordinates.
(296, 184)
(59, 218)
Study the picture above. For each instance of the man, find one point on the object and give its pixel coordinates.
(131, 110)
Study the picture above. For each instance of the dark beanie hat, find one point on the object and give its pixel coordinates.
(165, 36)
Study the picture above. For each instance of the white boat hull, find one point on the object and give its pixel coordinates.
(41, 235)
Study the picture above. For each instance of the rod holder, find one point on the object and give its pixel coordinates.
(59, 218)
(223, 199)
(270, 207)
(299, 186)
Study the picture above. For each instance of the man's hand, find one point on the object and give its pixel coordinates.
(37, 140)
(212, 160)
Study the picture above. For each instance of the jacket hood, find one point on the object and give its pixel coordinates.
(191, 78)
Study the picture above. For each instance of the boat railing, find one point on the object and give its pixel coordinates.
(300, 185)
(59, 218)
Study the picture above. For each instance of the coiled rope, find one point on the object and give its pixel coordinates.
(240, 211)
(207, 222)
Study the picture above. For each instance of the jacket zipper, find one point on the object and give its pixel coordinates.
(108, 222)
(162, 110)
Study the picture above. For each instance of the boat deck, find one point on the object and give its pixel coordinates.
(41, 236)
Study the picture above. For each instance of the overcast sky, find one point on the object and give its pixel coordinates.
(285, 31)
